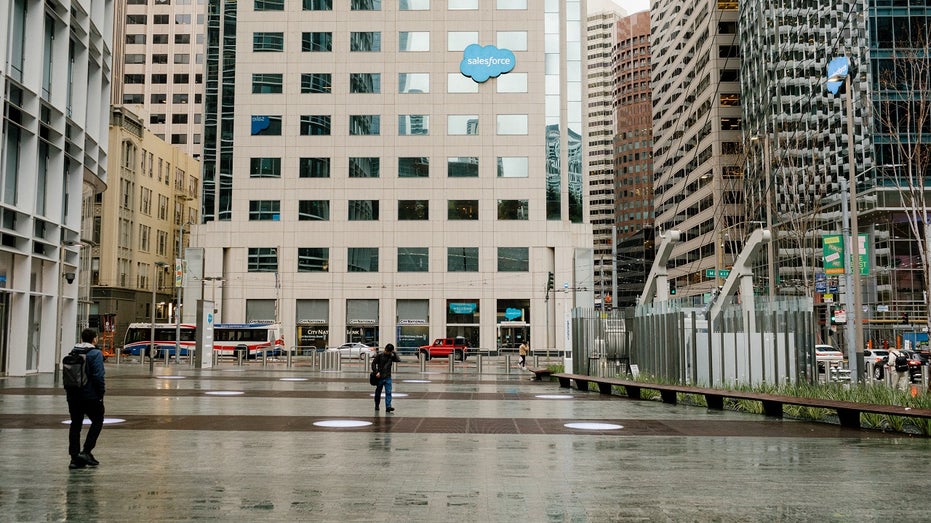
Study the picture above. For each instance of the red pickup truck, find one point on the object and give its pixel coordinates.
(443, 347)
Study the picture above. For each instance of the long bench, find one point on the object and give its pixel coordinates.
(540, 373)
(848, 412)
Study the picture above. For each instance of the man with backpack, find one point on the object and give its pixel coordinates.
(83, 377)
(898, 362)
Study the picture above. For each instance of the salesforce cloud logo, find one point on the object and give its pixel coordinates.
(481, 63)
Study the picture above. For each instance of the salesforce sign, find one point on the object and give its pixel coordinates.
(483, 62)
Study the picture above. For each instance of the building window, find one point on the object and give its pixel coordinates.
(364, 124)
(462, 4)
(160, 38)
(511, 83)
(413, 83)
(413, 41)
(416, 167)
(266, 125)
(316, 42)
(182, 58)
(413, 209)
(265, 167)
(413, 124)
(363, 210)
(462, 167)
(315, 125)
(462, 259)
(267, 42)
(513, 209)
(318, 5)
(365, 5)
(180, 78)
(133, 78)
(513, 40)
(413, 259)
(364, 167)
(263, 259)
(269, 5)
(365, 42)
(313, 210)
(267, 83)
(512, 4)
(513, 259)
(134, 98)
(179, 118)
(364, 83)
(457, 41)
(264, 210)
(512, 124)
(178, 139)
(363, 259)
(462, 210)
(461, 124)
(513, 167)
(313, 259)
(314, 167)
(459, 83)
(316, 83)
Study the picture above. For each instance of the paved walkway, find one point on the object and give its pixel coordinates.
(252, 443)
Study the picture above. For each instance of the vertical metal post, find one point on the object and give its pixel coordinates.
(452, 363)
(478, 364)
(507, 363)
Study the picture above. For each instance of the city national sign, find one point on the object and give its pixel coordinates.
(483, 62)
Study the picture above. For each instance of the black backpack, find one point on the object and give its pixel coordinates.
(74, 370)
(901, 363)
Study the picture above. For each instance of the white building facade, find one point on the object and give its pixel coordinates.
(56, 57)
(359, 185)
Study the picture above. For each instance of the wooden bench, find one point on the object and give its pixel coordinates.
(540, 373)
(848, 412)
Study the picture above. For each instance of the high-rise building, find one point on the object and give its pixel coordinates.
(416, 171)
(158, 67)
(697, 142)
(53, 151)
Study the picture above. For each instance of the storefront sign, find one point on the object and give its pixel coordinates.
(462, 308)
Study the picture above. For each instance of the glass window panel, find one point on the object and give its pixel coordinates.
(266, 125)
(365, 5)
(462, 167)
(513, 40)
(513, 209)
(410, 83)
(316, 42)
(512, 4)
(416, 167)
(462, 259)
(513, 167)
(313, 259)
(462, 210)
(267, 42)
(362, 259)
(265, 167)
(314, 167)
(458, 83)
(459, 40)
(364, 83)
(512, 124)
(267, 83)
(363, 210)
(269, 5)
(364, 124)
(413, 209)
(316, 83)
(512, 83)
(315, 124)
(513, 259)
(413, 41)
(365, 41)
(313, 210)
(364, 167)
(413, 259)
(462, 4)
(414, 5)
(262, 210)
(460, 124)
(413, 124)
(263, 259)
(318, 5)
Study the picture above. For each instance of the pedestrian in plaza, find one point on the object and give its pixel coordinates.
(898, 367)
(381, 366)
(86, 401)
(523, 351)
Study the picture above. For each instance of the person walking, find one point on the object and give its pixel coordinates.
(86, 401)
(381, 366)
(898, 366)
(523, 351)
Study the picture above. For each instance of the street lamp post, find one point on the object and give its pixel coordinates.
(155, 267)
(179, 284)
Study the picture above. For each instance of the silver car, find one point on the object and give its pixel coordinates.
(354, 350)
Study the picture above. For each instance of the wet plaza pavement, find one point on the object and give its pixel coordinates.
(300, 444)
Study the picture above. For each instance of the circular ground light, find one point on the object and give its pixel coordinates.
(293, 379)
(393, 395)
(170, 377)
(593, 426)
(416, 381)
(106, 421)
(554, 396)
(224, 393)
(342, 423)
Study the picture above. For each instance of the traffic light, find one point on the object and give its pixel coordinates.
(550, 281)
(672, 287)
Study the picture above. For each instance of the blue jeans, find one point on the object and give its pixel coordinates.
(383, 383)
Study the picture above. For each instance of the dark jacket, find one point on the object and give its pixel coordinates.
(382, 361)
(96, 386)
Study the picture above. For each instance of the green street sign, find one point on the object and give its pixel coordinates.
(834, 252)
(723, 273)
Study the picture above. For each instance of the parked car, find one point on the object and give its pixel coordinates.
(878, 357)
(827, 354)
(354, 350)
(916, 361)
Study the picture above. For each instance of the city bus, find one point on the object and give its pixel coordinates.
(138, 338)
(257, 337)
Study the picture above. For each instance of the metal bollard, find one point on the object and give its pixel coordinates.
(216, 358)
(452, 363)
(368, 363)
(536, 362)
(264, 358)
(423, 361)
(288, 358)
(507, 363)
(478, 363)
(924, 376)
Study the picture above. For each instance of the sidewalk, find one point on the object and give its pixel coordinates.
(277, 444)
